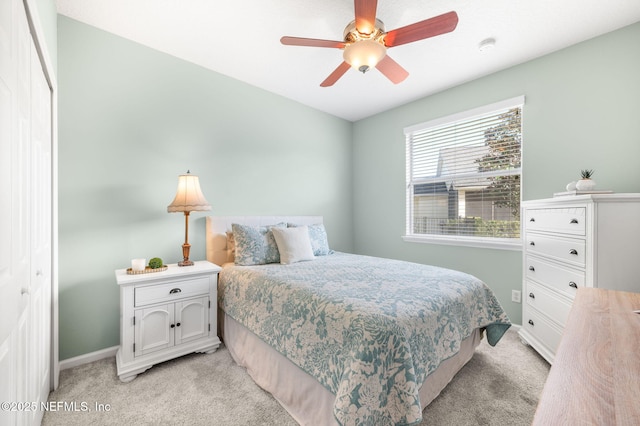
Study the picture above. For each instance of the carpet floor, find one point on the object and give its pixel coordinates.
(499, 386)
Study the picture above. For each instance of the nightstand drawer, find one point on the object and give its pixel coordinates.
(171, 291)
(563, 249)
(566, 220)
(555, 276)
(545, 301)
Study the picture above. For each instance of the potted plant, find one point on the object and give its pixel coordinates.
(586, 183)
(155, 263)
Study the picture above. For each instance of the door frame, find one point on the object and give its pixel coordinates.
(37, 33)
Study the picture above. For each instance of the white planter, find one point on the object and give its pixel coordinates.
(586, 185)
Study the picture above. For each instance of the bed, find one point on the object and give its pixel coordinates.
(345, 339)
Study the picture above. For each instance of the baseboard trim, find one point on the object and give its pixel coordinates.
(109, 352)
(87, 358)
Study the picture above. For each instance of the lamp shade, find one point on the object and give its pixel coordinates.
(364, 54)
(189, 196)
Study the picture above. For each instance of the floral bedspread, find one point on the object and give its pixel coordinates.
(368, 329)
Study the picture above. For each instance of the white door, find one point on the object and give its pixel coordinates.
(14, 202)
(25, 219)
(14, 174)
(40, 290)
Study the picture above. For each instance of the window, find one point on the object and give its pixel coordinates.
(463, 177)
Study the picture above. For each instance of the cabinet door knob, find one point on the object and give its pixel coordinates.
(532, 269)
(572, 284)
(178, 325)
(175, 290)
(574, 221)
(531, 322)
(573, 251)
(533, 219)
(531, 295)
(172, 325)
(532, 243)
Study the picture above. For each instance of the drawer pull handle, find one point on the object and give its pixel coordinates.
(531, 295)
(532, 269)
(532, 243)
(572, 284)
(172, 325)
(175, 290)
(533, 219)
(531, 322)
(573, 251)
(574, 221)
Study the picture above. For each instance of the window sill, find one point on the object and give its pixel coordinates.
(491, 243)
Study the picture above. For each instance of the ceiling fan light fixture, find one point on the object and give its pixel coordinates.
(364, 54)
(365, 41)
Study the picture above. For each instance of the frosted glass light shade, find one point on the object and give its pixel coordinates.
(189, 196)
(364, 53)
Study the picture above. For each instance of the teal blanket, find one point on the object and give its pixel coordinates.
(368, 329)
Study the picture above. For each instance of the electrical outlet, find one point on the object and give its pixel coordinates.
(515, 296)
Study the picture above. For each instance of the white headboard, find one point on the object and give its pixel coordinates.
(217, 227)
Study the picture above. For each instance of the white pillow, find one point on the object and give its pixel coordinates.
(294, 244)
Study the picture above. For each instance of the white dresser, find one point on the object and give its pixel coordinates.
(572, 242)
(166, 314)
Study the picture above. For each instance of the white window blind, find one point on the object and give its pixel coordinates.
(463, 175)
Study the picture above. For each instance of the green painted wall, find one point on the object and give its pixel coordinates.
(132, 119)
(49, 23)
(581, 111)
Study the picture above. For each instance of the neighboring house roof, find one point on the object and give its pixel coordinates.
(460, 159)
(456, 161)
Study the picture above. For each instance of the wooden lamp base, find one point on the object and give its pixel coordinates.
(186, 247)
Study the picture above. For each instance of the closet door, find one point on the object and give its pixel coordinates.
(14, 202)
(22, 194)
(40, 280)
(25, 219)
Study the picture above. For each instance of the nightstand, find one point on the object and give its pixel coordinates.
(164, 315)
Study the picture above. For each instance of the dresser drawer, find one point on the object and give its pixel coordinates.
(540, 328)
(563, 249)
(171, 291)
(547, 302)
(561, 220)
(564, 280)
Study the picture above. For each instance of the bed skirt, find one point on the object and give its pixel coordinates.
(304, 398)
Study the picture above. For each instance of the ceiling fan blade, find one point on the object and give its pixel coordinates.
(335, 75)
(313, 42)
(392, 70)
(365, 15)
(424, 29)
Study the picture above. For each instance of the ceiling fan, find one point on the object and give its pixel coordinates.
(366, 41)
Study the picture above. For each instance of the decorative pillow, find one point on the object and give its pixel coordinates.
(318, 237)
(294, 244)
(255, 245)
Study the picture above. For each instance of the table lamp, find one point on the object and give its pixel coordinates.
(188, 198)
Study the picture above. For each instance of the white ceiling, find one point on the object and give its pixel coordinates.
(240, 39)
